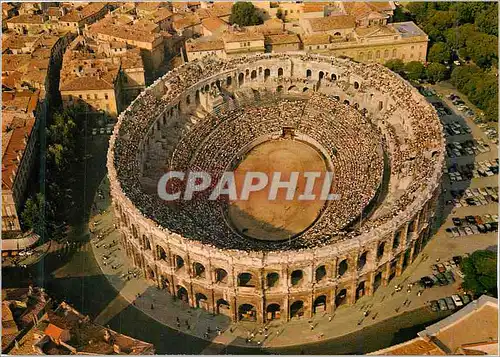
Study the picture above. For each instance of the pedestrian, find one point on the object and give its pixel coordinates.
(311, 326)
(152, 307)
(188, 327)
(178, 325)
(330, 318)
(208, 329)
(177, 319)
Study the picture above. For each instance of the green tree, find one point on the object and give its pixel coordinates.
(467, 11)
(480, 270)
(460, 76)
(456, 37)
(396, 65)
(415, 70)
(401, 15)
(438, 22)
(244, 14)
(34, 213)
(487, 20)
(483, 49)
(439, 53)
(437, 72)
(419, 10)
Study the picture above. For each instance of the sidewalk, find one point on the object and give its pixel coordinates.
(38, 254)
(144, 294)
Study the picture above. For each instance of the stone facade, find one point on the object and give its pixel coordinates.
(262, 286)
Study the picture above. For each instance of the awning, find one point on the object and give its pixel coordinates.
(25, 241)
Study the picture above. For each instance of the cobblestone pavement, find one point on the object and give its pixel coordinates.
(384, 304)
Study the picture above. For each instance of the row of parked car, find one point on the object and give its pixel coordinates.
(105, 130)
(490, 131)
(441, 109)
(455, 128)
(470, 225)
(460, 104)
(452, 302)
(427, 92)
(469, 171)
(468, 147)
(474, 196)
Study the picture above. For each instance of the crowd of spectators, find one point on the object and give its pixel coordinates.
(355, 146)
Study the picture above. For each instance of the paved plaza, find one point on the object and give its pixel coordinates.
(384, 304)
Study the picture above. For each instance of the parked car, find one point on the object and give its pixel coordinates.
(457, 221)
(466, 299)
(442, 305)
(449, 277)
(426, 282)
(450, 303)
(456, 299)
(441, 267)
(434, 306)
(468, 231)
(457, 259)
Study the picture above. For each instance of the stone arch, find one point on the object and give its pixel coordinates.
(199, 270)
(321, 74)
(333, 77)
(267, 73)
(253, 75)
(297, 309)
(135, 234)
(179, 262)
(201, 301)
(356, 85)
(272, 279)
(247, 72)
(161, 254)
(380, 105)
(297, 277)
(188, 101)
(246, 280)
(292, 88)
(247, 312)
(279, 89)
(362, 260)
(260, 70)
(229, 81)
(377, 281)
(207, 88)
(308, 73)
(164, 282)
(280, 72)
(343, 267)
(221, 276)
(397, 240)
(150, 273)
(305, 90)
(346, 102)
(273, 312)
(319, 304)
(341, 298)
(380, 250)
(197, 96)
(223, 307)
(337, 34)
(360, 290)
(147, 243)
(241, 78)
(182, 294)
(356, 106)
(336, 97)
(320, 273)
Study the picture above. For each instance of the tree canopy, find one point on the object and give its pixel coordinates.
(244, 14)
(436, 72)
(439, 53)
(33, 214)
(480, 270)
(414, 70)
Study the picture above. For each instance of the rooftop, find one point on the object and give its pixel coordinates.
(206, 43)
(87, 11)
(281, 39)
(242, 36)
(27, 19)
(214, 24)
(332, 23)
(319, 39)
(408, 29)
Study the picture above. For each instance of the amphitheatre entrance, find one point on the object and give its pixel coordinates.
(281, 218)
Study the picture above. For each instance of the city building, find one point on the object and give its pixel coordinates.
(19, 141)
(473, 330)
(358, 30)
(21, 307)
(65, 331)
(103, 75)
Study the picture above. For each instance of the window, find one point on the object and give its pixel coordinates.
(394, 53)
(317, 47)
(107, 107)
(105, 95)
(95, 96)
(70, 98)
(377, 55)
(386, 53)
(411, 55)
(80, 96)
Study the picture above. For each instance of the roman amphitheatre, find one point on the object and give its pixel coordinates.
(262, 260)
